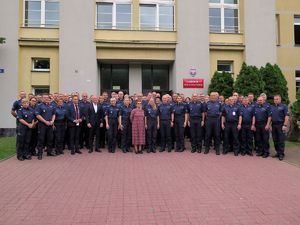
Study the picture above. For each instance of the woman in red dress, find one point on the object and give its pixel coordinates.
(137, 118)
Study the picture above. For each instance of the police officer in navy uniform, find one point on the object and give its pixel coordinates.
(280, 119)
(166, 122)
(262, 120)
(94, 119)
(180, 115)
(125, 125)
(75, 116)
(84, 130)
(247, 113)
(196, 123)
(34, 130)
(151, 124)
(26, 118)
(111, 118)
(231, 124)
(213, 110)
(45, 113)
(16, 106)
(60, 126)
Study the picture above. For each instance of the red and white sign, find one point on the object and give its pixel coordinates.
(193, 83)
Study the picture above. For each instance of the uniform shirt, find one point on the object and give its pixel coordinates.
(125, 111)
(17, 105)
(213, 109)
(261, 113)
(151, 113)
(26, 114)
(54, 104)
(179, 109)
(112, 112)
(105, 105)
(83, 105)
(45, 111)
(247, 112)
(195, 109)
(60, 113)
(231, 113)
(120, 103)
(278, 113)
(165, 111)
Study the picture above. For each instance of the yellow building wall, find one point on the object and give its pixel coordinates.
(237, 57)
(29, 78)
(288, 56)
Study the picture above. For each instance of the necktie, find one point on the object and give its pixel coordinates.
(76, 112)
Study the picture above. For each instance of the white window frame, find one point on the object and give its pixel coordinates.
(40, 70)
(227, 63)
(114, 13)
(297, 79)
(224, 6)
(43, 12)
(157, 4)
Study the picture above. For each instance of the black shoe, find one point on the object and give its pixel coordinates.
(153, 150)
(78, 151)
(34, 154)
(98, 150)
(20, 158)
(275, 156)
(72, 152)
(51, 154)
(169, 150)
(28, 157)
(281, 157)
(265, 155)
(217, 151)
(243, 153)
(161, 150)
(140, 152)
(206, 151)
(199, 150)
(40, 156)
(236, 153)
(259, 154)
(193, 150)
(124, 151)
(90, 151)
(249, 153)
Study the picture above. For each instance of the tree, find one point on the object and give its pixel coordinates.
(222, 83)
(2, 40)
(249, 80)
(275, 82)
(294, 132)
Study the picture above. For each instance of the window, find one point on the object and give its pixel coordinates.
(39, 64)
(224, 16)
(41, 13)
(114, 14)
(225, 66)
(157, 15)
(155, 78)
(297, 30)
(297, 80)
(39, 90)
(114, 77)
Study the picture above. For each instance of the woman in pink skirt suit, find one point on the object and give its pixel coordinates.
(137, 118)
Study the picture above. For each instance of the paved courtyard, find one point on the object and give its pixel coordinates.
(158, 189)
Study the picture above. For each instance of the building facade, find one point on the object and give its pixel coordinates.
(140, 45)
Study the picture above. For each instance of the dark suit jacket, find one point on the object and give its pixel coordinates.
(92, 117)
(71, 114)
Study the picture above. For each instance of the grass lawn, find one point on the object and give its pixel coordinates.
(7, 147)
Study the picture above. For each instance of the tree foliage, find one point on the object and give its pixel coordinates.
(222, 82)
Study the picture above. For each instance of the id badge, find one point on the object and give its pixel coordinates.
(233, 113)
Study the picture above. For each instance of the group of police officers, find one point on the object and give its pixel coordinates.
(239, 124)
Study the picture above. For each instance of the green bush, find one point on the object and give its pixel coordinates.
(222, 83)
(275, 82)
(249, 80)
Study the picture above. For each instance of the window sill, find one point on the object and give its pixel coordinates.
(239, 33)
(40, 71)
(133, 30)
(35, 27)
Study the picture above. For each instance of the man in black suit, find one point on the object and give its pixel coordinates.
(74, 117)
(94, 119)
